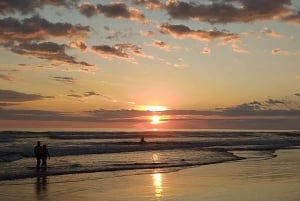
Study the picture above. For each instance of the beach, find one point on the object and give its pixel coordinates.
(260, 177)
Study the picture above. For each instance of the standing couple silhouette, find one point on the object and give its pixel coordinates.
(42, 154)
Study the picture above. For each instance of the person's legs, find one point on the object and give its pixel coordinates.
(38, 163)
(44, 163)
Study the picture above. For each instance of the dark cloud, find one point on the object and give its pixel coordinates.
(150, 4)
(106, 50)
(113, 10)
(65, 79)
(264, 108)
(78, 44)
(279, 119)
(274, 102)
(226, 11)
(14, 96)
(292, 18)
(5, 104)
(27, 6)
(129, 48)
(88, 9)
(243, 109)
(36, 28)
(21, 37)
(121, 50)
(182, 31)
(90, 94)
(39, 115)
(47, 50)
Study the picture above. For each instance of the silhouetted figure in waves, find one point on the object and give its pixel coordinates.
(45, 155)
(38, 152)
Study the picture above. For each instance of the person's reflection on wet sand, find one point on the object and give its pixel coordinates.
(41, 185)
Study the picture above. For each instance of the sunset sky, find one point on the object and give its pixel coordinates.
(207, 64)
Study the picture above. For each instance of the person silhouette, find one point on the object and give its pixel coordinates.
(38, 154)
(45, 155)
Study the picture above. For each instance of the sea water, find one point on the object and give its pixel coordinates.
(122, 151)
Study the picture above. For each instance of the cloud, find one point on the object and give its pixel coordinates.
(206, 50)
(7, 104)
(160, 44)
(270, 107)
(112, 10)
(238, 49)
(293, 18)
(274, 102)
(14, 96)
(36, 28)
(6, 77)
(28, 6)
(147, 33)
(272, 33)
(39, 115)
(150, 4)
(47, 50)
(23, 36)
(182, 31)
(258, 109)
(77, 44)
(276, 51)
(106, 50)
(121, 50)
(89, 94)
(65, 79)
(224, 11)
(88, 9)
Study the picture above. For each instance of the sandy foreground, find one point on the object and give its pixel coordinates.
(255, 179)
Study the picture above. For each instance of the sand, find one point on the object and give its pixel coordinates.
(256, 179)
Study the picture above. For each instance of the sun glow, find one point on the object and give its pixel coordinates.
(155, 119)
(152, 108)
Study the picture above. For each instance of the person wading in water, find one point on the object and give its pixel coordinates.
(45, 155)
(38, 152)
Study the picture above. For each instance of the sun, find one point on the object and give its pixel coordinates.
(155, 119)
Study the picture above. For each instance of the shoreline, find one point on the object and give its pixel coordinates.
(275, 178)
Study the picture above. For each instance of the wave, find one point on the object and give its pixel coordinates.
(79, 152)
(170, 164)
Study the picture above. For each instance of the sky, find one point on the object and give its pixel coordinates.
(150, 64)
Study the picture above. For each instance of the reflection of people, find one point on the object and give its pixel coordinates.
(142, 140)
(45, 155)
(38, 154)
(41, 185)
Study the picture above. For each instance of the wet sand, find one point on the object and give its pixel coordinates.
(260, 178)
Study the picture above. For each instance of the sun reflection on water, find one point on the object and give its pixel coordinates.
(157, 183)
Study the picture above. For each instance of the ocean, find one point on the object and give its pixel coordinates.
(122, 152)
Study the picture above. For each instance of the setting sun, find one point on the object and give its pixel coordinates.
(155, 119)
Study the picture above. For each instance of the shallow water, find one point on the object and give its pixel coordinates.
(83, 152)
(257, 178)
